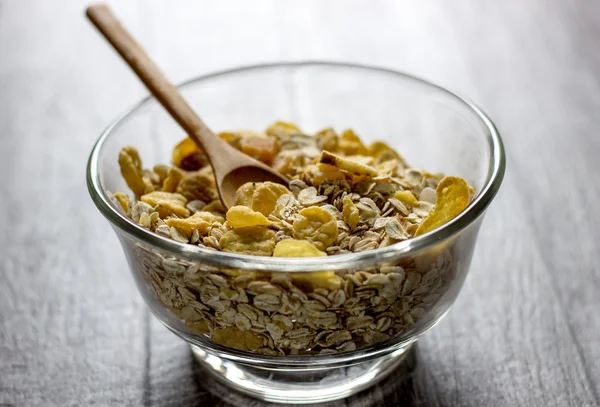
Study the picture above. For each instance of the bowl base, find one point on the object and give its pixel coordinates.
(299, 386)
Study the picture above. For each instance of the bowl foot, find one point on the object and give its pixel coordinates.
(299, 385)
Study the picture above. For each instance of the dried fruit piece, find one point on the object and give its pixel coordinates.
(235, 338)
(235, 138)
(131, 169)
(243, 195)
(353, 167)
(242, 216)
(167, 203)
(282, 129)
(265, 196)
(253, 240)
(452, 197)
(200, 185)
(188, 155)
(350, 212)
(327, 139)
(262, 148)
(351, 144)
(174, 177)
(123, 200)
(406, 197)
(296, 248)
(317, 225)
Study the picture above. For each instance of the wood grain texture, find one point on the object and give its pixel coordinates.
(524, 331)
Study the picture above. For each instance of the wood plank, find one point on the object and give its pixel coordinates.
(74, 330)
(71, 332)
(555, 125)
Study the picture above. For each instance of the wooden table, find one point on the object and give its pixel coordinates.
(525, 330)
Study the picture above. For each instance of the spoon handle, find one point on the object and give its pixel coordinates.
(156, 82)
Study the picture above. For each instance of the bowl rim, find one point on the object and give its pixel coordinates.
(198, 254)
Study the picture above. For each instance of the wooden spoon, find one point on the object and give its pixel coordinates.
(231, 168)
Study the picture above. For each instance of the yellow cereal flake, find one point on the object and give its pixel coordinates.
(381, 152)
(387, 167)
(199, 327)
(200, 185)
(317, 225)
(235, 338)
(131, 169)
(320, 279)
(350, 144)
(296, 248)
(210, 217)
(167, 203)
(174, 177)
(437, 176)
(253, 240)
(184, 149)
(265, 196)
(123, 200)
(243, 195)
(242, 216)
(162, 171)
(353, 167)
(327, 139)
(215, 207)
(282, 129)
(350, 212)
(200, 221)
(406, 197)
(452, 197)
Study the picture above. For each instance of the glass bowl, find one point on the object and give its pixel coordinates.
(314, 329)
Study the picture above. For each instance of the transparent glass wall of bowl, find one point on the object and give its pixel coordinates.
(431, 128)
(238, 319)
(367, 308)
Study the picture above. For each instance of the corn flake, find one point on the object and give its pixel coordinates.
(320, 279)
(123, 200)
(167, 203)
(452, 197)
(327, 139)
(174, 177)
(253, 240)
(406, 197)
(131, 169)
(235, 338)
(265, 196)
(350, 212)
(242, 216)
(200, 221)
(281, 129)
(200, 185)
(350, 144)
(296, 248)
(317, 225)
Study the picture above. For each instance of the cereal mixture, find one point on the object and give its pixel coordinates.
(343, 197)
